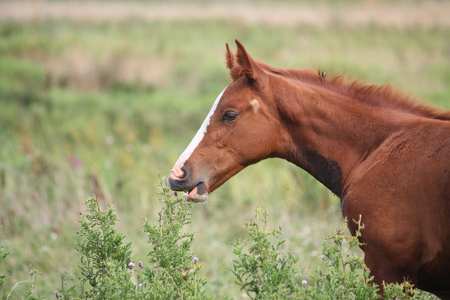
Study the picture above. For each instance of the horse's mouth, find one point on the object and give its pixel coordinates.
(198, 193)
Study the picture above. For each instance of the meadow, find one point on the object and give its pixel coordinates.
(103, 107)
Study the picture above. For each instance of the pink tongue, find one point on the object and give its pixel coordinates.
(193, 193)
(194, 197)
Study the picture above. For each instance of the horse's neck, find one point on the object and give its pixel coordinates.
(328, 135)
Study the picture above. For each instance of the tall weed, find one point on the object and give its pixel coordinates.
(264, 271)
(173, 272)
(3, 255)
(107, 270)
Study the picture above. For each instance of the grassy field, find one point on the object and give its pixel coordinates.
(103, 107)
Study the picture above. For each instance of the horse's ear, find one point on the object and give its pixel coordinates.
(249, 67)
(231, 64)
(230, 57)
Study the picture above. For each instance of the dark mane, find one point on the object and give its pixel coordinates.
(374, 95)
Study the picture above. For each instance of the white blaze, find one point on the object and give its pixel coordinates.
(197, 138)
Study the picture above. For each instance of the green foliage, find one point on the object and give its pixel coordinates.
(342, 275)
(264, 272)
(104, 255)
(21, 81)
(31, 293)
(107, 271)
(173, 268)
(3, 255)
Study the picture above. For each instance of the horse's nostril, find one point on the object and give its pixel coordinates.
(177, 173)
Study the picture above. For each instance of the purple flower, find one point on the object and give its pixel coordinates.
(141, 264)
(304, 283)
(56, 294)
(76, 162)
(195, 260)
(131, 265)
(186, 195)
(106, 270)
(175, 194)
(139, 285)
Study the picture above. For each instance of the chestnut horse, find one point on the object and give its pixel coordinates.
(387, 158)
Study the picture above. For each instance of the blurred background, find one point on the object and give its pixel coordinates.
(99, 98)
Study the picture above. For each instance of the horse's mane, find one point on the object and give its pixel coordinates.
(374, 95)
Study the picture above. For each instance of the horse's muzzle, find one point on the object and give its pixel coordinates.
(197, 191)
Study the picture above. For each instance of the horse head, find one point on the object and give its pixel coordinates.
(240, 130)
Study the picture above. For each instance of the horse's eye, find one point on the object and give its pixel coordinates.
(229, 116)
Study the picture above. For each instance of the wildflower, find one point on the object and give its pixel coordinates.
(106, 270)
(186, 195)
(304, 283)
(56, 294)
(195, 260)
(76, 163)
(131, 265)
(175, 194)
(139, 285)
(141, 264)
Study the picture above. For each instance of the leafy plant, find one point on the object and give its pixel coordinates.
(343, 275)
(104, 255)
(264, 272)
(3, 255)
(174, 269)
(106, 266)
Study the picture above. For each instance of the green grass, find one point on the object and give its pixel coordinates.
(102, 108)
